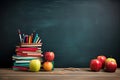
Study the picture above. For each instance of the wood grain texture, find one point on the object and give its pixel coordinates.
(59, 74)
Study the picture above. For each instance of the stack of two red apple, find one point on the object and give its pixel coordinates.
(102, 62)
(48, 64)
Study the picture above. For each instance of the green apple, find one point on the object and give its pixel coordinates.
(35, 65)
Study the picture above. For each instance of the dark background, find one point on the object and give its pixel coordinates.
(76, 30)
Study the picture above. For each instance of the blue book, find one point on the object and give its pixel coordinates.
(21, 64)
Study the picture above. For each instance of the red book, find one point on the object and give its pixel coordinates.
(29, 55)
(27, 49)
(20, 68)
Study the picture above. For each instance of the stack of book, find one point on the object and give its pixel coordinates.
(22, 63)
(28, 49)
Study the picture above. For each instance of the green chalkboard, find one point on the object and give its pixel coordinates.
(76, 30)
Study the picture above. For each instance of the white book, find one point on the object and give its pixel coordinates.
(22, 61)
(30, 52)
(31, 45)
(19, 57)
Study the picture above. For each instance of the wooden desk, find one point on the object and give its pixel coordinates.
(59, 74)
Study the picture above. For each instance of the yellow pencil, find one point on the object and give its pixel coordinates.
(30, 39)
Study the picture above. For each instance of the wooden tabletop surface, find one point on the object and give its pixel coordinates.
(59, 74)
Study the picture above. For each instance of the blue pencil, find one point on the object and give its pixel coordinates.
(36, 36)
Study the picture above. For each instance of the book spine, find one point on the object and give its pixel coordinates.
(20, 68)
(27, 49)
(30, 52)
(22, 64)
(22, 61)
(31, 45)
(21, 57)
(29, 55)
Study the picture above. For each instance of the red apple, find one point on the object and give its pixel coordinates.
(111, 66)
(102, 58)
(95, 65)
(49, 56)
